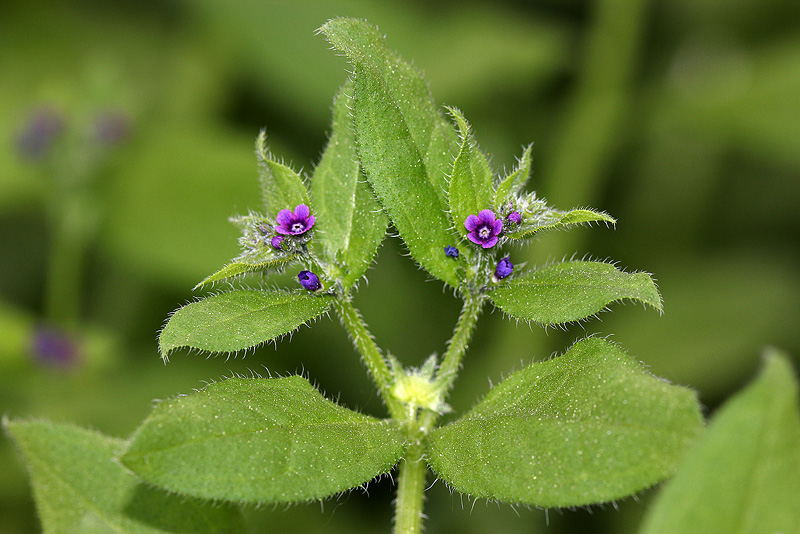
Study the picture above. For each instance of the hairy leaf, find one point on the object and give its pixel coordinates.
(247, 263)
(350, 223)
(743, 476)
(514, 182)
(551, 219)
(281, 187)
(587, 427)
(471, 179)
(261, 440)
(571, 291)
(239, 320)
(404, 143)
(79, 486)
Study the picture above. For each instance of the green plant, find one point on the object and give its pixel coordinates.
(589, 426)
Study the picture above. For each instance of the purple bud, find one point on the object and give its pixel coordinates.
(309, 280)
(276, 242)
(514, 217)
(503, 269)
(451, 251)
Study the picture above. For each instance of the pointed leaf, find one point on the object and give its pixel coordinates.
(261, 440)
(404, 144)
(571, 291)
(587, 427)
(743, 476)
(238, 320)
(551, 219)
(245, 264)
(79, 486)
(514, 182)
(281, 187)
(471, 179)
(350, 223)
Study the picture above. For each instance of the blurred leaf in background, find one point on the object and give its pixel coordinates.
(680, 118)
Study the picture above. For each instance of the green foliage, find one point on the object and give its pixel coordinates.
(261, 440)
(80, 486)
(552, 219)
(513, 183)
(239, 319)
(281, 187)
(743, 475)
(589, 426)
(571, 291)
(471, 178)
(404, 143)
(351, 223)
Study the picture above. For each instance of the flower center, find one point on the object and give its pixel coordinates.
(298, 227)
(484, 233)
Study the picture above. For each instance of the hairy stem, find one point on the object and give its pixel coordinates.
(457, 346)
(371, 354)
(411, 491)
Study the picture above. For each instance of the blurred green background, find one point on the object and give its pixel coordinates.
(126, 141)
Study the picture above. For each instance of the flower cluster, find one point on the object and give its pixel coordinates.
(484, 229)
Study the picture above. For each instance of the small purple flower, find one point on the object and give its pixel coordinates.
(514, 217)
(451, 251)
(111, 128)
(309, 280)
(503, 269)
(276, 242)
(40, 134)
(484, 228)
(54, 347)
(295, 223)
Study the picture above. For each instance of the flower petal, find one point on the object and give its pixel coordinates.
(487, 216)
(284, 218)
(472, 223)
(489, 243)
(301, 211)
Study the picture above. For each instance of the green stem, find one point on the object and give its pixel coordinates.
(456, 347)
(411, 491)
(371, 354)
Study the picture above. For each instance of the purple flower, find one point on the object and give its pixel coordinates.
(514, 217)
(483, 228)
(451, 251)
(503, 269)
(40, 134)
(295, 223)
(309, 280)
(276, 242)
(54, 347)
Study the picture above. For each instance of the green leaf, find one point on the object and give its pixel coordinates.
(239, 320)
(514, 182)
(261, 440)
(471, 179)
(551, 219)
(350, 223)
(281, 187)
(247, 263)
(571, 291)
(743, 476)
(404, 144)
(587, 427)
(79, 486)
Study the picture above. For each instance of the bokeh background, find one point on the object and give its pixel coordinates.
(126, 141)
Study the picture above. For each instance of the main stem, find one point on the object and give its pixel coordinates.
(411, 485)
(411, 491)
